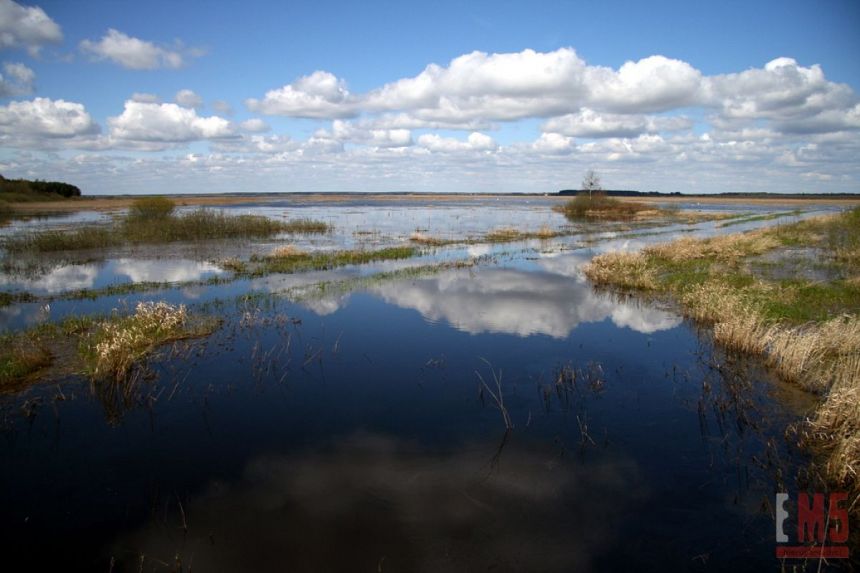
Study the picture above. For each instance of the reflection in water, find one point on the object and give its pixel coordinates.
(71, 277)
(521, 303)
(164, 270)
(58, 279)
(379, 503)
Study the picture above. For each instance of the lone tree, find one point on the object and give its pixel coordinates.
(591, 182)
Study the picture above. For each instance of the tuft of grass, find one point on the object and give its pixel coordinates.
(114, 346)
(150, 208)
(22, 356)
(306, 227)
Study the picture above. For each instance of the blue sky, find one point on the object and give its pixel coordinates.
(124, 97)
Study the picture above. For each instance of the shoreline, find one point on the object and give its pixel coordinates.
(115, 202)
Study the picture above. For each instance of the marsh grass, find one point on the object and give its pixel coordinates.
(114, 346)
(807, 331)
(602, 207)
(151, 220)
(291, 260)
(21, 357)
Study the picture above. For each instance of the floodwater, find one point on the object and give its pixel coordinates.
(350, 420)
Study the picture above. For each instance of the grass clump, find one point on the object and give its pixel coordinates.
(22, 356)
(598, 206)
(115, 345)
(291, 260)
(807, 331)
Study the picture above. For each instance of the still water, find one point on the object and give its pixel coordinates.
(359, 427)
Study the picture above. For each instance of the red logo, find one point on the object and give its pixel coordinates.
(819, 533)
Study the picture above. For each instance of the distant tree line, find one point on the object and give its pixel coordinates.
(24, 187)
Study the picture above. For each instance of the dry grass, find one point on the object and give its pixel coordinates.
(423, 239)
(287, 251)
(822, 356)
(114, 346)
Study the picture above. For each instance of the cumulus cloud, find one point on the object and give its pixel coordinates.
(350, 132)
(134, 53)
(589, 123)
(166, 123)
(26, 27)
(782, 91)
(254, 125)
(320, 95)
(18, 80)
(145, 98)
(187, 98)
(475, 142)
(651, 84)
(45, 118)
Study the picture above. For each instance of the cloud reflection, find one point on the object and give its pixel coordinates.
(521, 303)
(378, 503)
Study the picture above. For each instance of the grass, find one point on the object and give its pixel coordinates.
(151, 220)
(807, 331)
(22, 356)
(112, 347)
(598, 206)
(291, 260)
(754, 218)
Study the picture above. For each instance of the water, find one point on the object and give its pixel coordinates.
(355, 427)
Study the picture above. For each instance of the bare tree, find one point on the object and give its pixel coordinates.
(591, 182)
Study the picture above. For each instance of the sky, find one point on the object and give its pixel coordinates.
(122, 97)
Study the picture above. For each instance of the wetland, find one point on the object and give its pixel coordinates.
(445, 383)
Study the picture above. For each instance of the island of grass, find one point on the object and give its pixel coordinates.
(153, 220)
(599, 206)
(805, 323)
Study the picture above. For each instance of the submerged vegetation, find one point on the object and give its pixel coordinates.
(152, 220)
(288, 259)
(807, 330)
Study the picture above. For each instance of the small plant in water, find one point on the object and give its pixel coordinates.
(114, 347)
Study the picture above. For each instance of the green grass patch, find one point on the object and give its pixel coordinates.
(293, 261)
(22, 356)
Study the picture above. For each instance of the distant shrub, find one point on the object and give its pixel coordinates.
(146, 208)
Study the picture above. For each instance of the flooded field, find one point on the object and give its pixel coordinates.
(477, 405)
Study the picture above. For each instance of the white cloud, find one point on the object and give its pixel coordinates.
(17, 81)
(320, 95)
(784, 92)
(255, 125)
(475, 142)
(45, 118)
(26, 26)
(187, 98)
(553, 143)
(652, 84)
(165, 123)
(349, 132)
(589, 123)
(134, 53)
